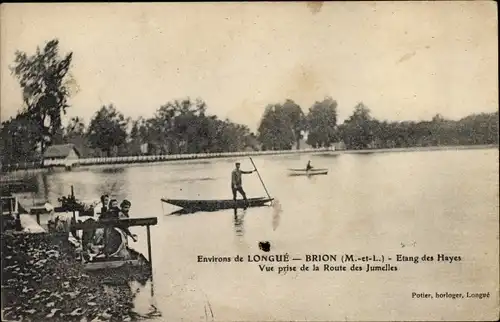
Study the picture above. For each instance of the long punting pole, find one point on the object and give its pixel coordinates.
(260, 178)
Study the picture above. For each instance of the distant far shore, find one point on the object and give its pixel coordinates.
(423, 149)
(190, 158)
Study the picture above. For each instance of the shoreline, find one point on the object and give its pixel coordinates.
(29, 291)
(87, 163)
(423, 149)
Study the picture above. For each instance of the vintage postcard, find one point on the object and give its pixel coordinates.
(249, 161)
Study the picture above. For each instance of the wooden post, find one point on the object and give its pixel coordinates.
(150, 258)
(73, 197)
(149, 249)
(105, 242)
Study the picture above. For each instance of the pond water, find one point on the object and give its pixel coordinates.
(409, 203)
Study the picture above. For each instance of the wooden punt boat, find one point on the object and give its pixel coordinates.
(304, 172)
(217, 204)
(116, 270)
(101, 263)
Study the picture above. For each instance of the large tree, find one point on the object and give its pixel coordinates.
(175, 128)
(357, 130)
(322, 122)
(75, 127)
(231, 137)
(108, 129)
(276, 131)
(479, 129)
(18, 140)
(76, 133)
(184, 126)
(297, 119)
(134, 146)
(42, 77)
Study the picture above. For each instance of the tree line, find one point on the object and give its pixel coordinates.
(185, 126)
(284, 125)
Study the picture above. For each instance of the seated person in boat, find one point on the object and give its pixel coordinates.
(113, 212)
(93, 240)
(124, 208)
(309, 166)
(123, 214)
(236, 182)
(90, 234)
(116, 236)
(102, 206)
(115, 244)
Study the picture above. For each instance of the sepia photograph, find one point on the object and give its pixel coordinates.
(249, 161)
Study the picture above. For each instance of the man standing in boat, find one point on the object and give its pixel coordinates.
(236, 182)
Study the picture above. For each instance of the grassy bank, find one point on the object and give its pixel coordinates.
(42, 280)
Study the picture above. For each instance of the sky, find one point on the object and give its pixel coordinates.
(403, 60)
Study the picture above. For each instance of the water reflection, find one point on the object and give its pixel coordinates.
(25, 184)
(329, 155)
(180, 212)
(347, 207)
(239, 221)
(45, 185)
(190, 179)
(113, 170)
(238, 218)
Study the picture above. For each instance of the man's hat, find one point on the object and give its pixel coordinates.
(237, 163)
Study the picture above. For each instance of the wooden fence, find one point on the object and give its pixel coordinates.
(151, 158)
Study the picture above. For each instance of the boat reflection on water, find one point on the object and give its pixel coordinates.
(181, 212)
(239, 227)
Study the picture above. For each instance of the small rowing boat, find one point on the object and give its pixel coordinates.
(135, 259)
(304, 172)
(217, 204)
